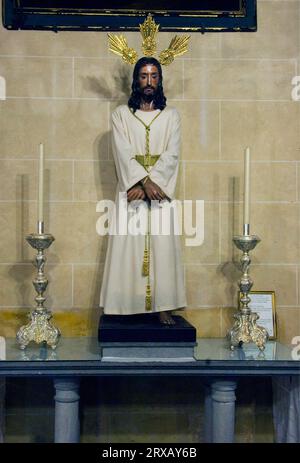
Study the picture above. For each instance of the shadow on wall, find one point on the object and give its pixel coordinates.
(22, 274)
(105, 179)
(231, 269)
(120, 89)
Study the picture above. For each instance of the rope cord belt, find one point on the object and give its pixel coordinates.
(147, 160)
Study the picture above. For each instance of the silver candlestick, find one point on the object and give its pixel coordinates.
(39, 329)
(245, 329)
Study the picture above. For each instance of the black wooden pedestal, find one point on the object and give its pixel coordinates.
(143, 338)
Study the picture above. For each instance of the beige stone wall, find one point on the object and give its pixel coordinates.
(232, 89)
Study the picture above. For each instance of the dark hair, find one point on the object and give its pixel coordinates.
(159, 99)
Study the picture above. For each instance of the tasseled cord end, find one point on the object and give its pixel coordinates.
(148, 304)
(146, 263)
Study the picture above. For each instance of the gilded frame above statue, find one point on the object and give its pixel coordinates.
(109, 15)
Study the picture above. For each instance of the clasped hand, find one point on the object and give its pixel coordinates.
(149, 190)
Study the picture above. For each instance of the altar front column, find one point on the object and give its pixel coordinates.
(67, 425)
(219, 407)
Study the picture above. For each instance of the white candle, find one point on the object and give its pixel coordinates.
(41, 185)
(247, 187)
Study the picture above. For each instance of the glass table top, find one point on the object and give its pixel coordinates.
(87, 349)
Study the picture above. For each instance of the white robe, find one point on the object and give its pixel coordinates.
(124, 286)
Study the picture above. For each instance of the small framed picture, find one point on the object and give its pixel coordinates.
(263, 303)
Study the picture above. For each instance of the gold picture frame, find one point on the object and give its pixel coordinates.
(263, 303)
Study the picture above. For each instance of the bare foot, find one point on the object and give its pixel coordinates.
(166, 318)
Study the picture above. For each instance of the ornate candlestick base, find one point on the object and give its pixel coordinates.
(39, 329)
(245, 329)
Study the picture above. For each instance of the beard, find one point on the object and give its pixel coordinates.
(148, 95)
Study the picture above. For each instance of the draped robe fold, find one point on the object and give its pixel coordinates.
(124, 286)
